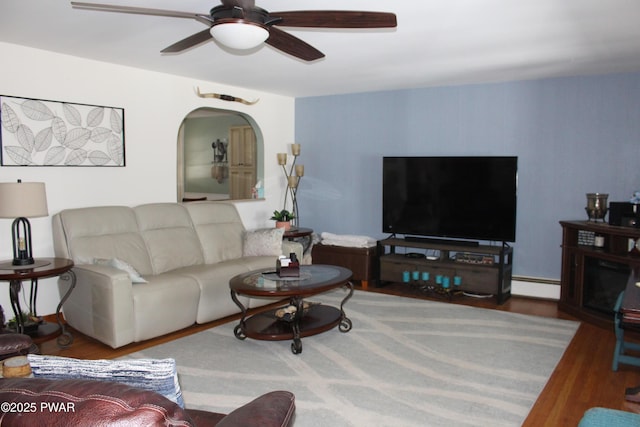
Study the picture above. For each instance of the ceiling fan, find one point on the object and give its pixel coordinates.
(240, 24)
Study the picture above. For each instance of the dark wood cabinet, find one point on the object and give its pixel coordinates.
(597, 259)
(482, 269)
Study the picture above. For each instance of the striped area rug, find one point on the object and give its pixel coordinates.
(406, 362)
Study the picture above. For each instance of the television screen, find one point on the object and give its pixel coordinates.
(450, 197)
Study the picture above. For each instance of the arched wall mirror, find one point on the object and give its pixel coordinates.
(220, 156)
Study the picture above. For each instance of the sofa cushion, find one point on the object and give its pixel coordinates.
(169, 235)
(158, 375)
(263, 242)
(219, 229)
(103, 232)
(167, 303)
(213, 280)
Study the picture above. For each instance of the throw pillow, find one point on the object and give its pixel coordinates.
(121, 265)
(159, 375)
(263, 242)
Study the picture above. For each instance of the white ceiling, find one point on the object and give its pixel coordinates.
(436, 43)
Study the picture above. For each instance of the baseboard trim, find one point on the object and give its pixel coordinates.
(535, 288)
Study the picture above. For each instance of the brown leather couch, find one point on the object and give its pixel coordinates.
(39, 402)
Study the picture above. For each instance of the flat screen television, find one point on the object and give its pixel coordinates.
(471, 198)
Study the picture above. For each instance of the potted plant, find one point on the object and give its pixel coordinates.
(29, 322)
(283, 218)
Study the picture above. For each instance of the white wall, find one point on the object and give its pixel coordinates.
(155, 105)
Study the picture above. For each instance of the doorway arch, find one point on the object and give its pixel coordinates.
(211, 162)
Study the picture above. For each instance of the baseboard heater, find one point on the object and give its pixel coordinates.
(535, 287)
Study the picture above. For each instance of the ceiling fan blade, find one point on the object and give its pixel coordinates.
(190, 41)
(292, 45)
(335, 19)
(141, 11)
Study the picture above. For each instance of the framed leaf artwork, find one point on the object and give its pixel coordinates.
(37, 132)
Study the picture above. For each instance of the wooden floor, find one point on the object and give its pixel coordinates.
(583, 378)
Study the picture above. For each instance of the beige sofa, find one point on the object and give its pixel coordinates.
(186, 253)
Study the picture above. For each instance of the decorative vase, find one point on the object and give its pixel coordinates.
(283, 224)
(596, 206)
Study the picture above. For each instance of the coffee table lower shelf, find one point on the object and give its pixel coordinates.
(266, 326)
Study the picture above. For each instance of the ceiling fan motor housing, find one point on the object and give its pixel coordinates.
(255, 15)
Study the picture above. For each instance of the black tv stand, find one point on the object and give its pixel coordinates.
(468, 243)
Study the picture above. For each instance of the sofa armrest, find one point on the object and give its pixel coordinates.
(274, 409)
(12, 344)
(101, 304)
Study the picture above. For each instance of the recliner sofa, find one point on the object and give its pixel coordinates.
(186, 253)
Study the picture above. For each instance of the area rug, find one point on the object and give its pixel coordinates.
(406, 362)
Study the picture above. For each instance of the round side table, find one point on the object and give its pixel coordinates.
(300, 234)
(41, 268)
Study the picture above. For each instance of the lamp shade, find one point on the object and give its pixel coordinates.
(18, 199)
(239, 34)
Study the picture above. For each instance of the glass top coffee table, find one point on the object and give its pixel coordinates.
(299, 318)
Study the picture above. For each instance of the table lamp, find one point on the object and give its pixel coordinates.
(21, 200)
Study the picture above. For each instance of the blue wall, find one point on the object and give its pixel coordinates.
(571, 135)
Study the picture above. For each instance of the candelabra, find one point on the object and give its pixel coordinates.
(293, 176)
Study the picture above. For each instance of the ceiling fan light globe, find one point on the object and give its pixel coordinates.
(239, 35)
